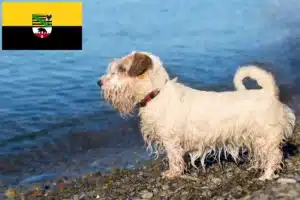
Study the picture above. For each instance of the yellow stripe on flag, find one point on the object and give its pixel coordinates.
(63, 13)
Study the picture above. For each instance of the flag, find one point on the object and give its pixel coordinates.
(41, 25)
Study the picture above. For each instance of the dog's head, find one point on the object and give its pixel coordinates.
(130, 78)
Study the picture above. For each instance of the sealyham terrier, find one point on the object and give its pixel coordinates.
(185, 120)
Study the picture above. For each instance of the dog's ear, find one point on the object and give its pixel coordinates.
(140, 64)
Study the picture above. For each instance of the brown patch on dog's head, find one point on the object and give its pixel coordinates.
(140, 64)
(130, 78)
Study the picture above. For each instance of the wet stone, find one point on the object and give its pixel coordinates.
(286, 180)
(165, 187)
(134, 198)
(146, 194)
(155, 190)
(84, 197)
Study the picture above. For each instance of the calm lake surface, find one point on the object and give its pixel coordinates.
(53, 119)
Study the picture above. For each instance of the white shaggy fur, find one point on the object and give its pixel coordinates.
(185, 120)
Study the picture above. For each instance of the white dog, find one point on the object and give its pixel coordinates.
(185, 120)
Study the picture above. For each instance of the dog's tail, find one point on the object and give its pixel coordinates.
(264, 79)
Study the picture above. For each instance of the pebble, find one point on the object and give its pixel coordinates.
(216, 181)
(146, 194)
(263, 197)
(132, 193)
(229, 174)
(238, 188)
(194, 174)
(163, 194)
(122, 191)
(206, 193)
(140, 174)
(134, 198)
(220, 198)
(165, 187)
(184, 193)
(286, 180)
(131, 189)
(83, 197)
(174, 185)
(155, 190)
(204, 188)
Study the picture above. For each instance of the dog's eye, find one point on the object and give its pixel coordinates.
(121, 69)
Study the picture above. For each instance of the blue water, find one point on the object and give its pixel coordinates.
(53, 118)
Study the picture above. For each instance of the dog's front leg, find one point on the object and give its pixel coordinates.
(176, 162)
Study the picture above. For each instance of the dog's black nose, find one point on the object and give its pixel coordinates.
(99, 83)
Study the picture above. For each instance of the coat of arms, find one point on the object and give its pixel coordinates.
(42, 25)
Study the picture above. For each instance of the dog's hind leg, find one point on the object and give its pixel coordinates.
(273, 163)
(176, 162)
(268, 156)
(271, 155)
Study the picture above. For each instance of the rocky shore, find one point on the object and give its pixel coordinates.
(220, 182)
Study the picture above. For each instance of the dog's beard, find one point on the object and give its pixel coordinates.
(121, 98)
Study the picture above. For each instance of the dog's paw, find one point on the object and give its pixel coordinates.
(170, 174)
(266, 177)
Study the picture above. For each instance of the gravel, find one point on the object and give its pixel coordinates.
(229, 181)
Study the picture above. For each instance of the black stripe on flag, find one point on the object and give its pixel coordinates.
(23, 38)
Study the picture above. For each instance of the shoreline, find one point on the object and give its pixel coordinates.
(228, 181)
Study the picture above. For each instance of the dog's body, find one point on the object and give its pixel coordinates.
(183, 119)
